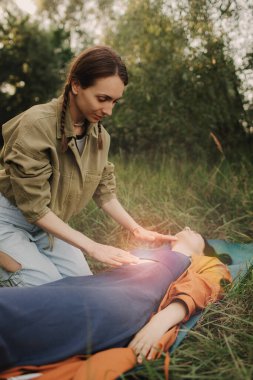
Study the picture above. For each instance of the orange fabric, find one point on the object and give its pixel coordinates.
(198, 286)
(105, 365)
(166, 366)
(71, 364)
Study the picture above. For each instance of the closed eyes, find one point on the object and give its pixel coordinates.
(103, 99)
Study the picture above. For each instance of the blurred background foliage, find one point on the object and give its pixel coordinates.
(186, 94)
(32, 63)
(184, 129)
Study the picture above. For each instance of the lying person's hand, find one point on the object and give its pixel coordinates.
(144, 342)
(141, 233)
(111, 255)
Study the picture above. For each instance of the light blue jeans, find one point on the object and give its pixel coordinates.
(29, 245)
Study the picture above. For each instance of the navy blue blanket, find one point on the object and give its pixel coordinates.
(83, 315)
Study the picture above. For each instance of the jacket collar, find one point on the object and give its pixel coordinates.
(69, 131)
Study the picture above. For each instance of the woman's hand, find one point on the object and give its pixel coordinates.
(141, 233)
(119, 214)
(111, 255)
(104, 253)
(144, 342)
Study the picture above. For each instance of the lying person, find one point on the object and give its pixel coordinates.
(84, 315)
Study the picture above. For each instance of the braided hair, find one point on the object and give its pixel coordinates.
(64, 141)
(93, 63)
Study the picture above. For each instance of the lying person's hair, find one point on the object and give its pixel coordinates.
(210, 251)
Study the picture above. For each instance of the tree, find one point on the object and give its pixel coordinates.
(32, 63)
(183, 82)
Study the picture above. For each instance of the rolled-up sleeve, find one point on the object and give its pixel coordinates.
(29, 176)
(106, 189)
(197, 290)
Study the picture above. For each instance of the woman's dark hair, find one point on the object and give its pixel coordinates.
(210, 251)
(93, 63)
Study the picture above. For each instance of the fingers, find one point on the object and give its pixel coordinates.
(118, 261)
(125, 257)
(113, 256)
(116, 257)
(143, 353)
(167, 237)
(142, 350)
(112, 262)
(152, 353)
(153, 236)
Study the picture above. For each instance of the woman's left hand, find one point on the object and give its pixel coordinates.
(144, 342)
(141, 233)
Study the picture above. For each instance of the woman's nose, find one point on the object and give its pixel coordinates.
(107, 110)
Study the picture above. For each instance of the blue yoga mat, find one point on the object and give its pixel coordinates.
(242, 256)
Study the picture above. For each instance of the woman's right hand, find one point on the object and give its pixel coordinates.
(111, 255)
(104, 253)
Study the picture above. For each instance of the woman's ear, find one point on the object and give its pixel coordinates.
(75, 85)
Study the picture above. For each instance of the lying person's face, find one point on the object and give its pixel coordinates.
(192, 240)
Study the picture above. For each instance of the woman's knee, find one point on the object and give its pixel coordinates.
(8, 263)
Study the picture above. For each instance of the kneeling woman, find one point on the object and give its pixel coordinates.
(84, 315)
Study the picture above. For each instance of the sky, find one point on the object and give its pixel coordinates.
(26, 5)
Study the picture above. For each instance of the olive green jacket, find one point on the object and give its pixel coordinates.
(38, 176)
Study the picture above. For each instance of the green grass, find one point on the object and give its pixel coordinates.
(166, 195)
(220, 347)
(12, 280)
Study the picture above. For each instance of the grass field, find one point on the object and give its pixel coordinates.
(167, 195)
(216, 200)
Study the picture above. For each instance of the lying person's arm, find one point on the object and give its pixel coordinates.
(193, 291)
(144, 342)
